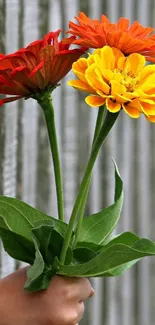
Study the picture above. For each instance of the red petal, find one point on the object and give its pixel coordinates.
(36, 69)
(9, 99)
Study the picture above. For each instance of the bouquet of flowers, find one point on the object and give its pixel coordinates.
(117, 79)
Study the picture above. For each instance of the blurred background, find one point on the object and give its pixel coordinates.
(25, 162)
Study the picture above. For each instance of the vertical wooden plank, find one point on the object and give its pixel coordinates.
(113, 10)
(144, 302)
(70, 108)
(144, 14)
(2, 111)
(43, 195)
(152, 188)
(30, 113)
(20, 103)
(127, 281)
(10, 148)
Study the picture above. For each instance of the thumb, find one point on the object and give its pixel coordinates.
(92, 293)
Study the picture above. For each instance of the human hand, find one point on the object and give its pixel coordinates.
(61, 304)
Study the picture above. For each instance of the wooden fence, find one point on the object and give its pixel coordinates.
(25, 162)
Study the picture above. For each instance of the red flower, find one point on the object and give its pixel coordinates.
(36, 68)
(128, 39)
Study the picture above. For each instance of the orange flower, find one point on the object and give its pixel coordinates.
(128, 39)
(119, 82)
(38, 67)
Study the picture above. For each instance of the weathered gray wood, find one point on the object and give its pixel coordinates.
(10, 148)
(27, 166)
(30, 113)
(144, 222)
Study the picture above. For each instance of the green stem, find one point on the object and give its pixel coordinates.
(99, 121)
(107, 125)
(46, 104)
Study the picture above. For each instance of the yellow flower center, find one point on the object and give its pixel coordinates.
(129, 80)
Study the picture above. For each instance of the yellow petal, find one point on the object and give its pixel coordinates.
(148, 70)
(117, 88)
(126, 97)
(80, 85)
(148, 83)
(132, 109)
(107, 74)
(107, 58)
(118, 55)
(94, 101)
(112, 106)
(90, 60)
(148, 101)
(95, 80)
(79, 67)
(121, 63)
(134, 63)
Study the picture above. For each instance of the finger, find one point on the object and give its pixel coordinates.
(92, 293)
(85, 289)
(80, 311)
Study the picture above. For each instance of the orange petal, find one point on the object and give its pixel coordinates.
(94, 101)
(112, 106)
(148, 107)
(123, 24)
(133, 108)
(126, 97)
(151, 118)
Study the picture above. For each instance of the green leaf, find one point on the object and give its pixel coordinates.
(127, 238)
(36, 275)
(92, 246)
(97, 227)
(120, 270)
(43, 232)
(107, 262)
(83, 254)
(3, 224)
(17, 246)
(50, 242)
(21, 217)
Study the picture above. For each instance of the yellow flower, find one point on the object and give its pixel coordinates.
(119, 82)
